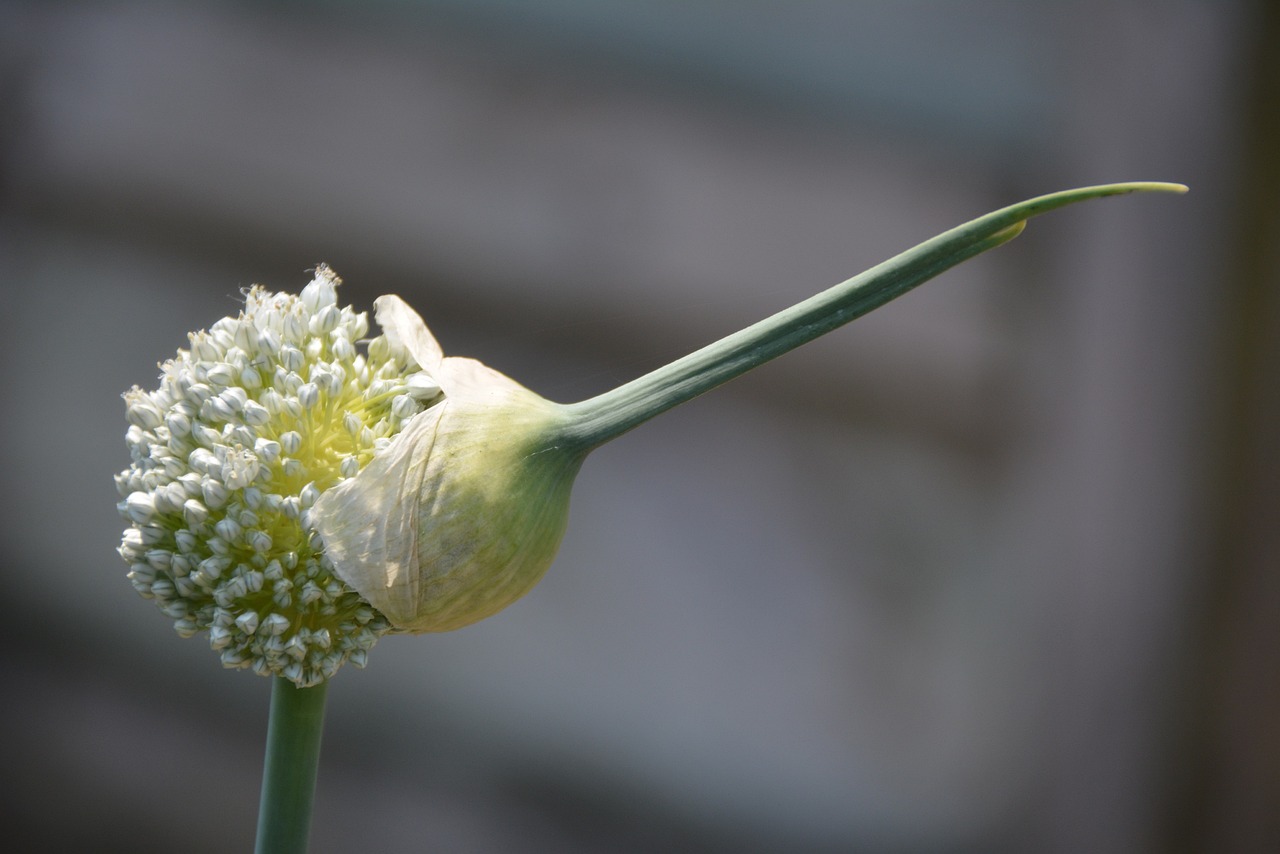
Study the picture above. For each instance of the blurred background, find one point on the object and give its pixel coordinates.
(993, 569)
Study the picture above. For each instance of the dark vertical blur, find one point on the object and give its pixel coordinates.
(1227, 796)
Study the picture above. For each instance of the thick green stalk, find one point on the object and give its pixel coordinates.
(289, 773)
(599, 419)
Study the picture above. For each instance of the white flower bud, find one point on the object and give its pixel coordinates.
(215, 494)
(421, 386)
(221, 374)
(198, 393)
(403, 406)
(173, 464)
(143, 573)
(235, 398)
(229, 529)
(289, 504)
(160, 559)
(275, 624)
(272, 401)
(269, 342)
(202, 348)
(260, 541)
(234, 658)
(292, 359)
(324, 321)
(140, 507)
(357, 324)
(291, 442)
(221, 336)
(226, 593)
(178, 424)
(267, 450)
(246, 338)
(307, 497)
(184, 590)
(187, 541)
(202, 461)
(321, 291)
(139, 442)
(237, 358)
(319, 374)
(219, 637)
(169, 498)
(217, 409)
(248, 622)
(206, 437)
(141, 411)
(236, 434)
(255, 414)
(295, 326)
(343, 350)
(212, 568)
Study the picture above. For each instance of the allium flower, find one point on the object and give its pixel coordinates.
(298, 499)
(250, 426)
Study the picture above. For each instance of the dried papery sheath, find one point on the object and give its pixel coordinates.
(250, 425)
(464, 511)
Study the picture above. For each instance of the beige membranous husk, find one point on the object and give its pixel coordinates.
(464, 511)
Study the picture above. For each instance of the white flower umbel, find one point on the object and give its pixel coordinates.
(250, 426)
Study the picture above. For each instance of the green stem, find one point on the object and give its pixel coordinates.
(599, 419)
(289, 772)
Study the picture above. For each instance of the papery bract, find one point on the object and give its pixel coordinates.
(464, 511)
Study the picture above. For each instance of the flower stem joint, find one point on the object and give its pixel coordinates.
(297, 498)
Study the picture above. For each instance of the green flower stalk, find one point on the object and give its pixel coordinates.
(297, 498)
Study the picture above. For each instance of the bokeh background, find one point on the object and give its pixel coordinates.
(994, 569)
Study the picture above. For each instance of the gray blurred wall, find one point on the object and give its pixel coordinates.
(932, 584)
